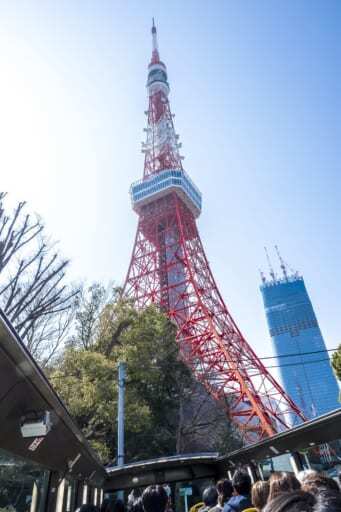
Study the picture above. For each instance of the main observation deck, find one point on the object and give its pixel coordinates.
(164, 182)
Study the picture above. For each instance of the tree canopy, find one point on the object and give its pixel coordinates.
(163, 414)
(336, 364)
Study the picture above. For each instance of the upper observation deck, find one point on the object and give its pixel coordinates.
(164, 182)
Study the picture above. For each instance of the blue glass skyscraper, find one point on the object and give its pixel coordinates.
(304, 364)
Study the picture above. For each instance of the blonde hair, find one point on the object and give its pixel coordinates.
(282, 481)
(260, 494)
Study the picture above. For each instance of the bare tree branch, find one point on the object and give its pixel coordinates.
(33, 292)
(15, 232)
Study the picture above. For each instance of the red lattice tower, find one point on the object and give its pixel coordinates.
(169, 268)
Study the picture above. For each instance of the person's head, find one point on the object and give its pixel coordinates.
(210, 496)
(154, 499)
(293, 501)
(318, 482)
(260, 494)
(302, 475)
(328, 501)
(241, 482)
(281, 481)
(225, 490)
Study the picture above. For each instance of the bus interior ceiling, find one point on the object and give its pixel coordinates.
(26, 392)
(178, 468)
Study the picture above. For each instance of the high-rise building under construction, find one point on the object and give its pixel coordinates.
(299, 345)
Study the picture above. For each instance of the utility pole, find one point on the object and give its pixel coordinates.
(120, 413)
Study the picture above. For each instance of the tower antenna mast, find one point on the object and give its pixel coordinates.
(271, 270)
(155, 47)
(282, 264)
(262, 276)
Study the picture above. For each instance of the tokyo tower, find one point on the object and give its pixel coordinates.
(169, 268)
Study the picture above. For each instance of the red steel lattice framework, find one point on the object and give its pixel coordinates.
(169, 268)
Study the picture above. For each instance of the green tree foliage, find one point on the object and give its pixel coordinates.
(164, 406)
(336, 364)
(157, 381)
(86, 381)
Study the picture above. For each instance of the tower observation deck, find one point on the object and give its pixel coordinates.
(169, 268)
(163, 183)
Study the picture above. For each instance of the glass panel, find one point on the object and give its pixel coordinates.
(282, 463)
(279, 463)
(23, 484)
(325, 457)
(162, 182)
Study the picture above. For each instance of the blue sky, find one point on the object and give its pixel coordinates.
(255, 87)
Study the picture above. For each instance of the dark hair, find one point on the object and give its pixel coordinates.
(328, 501)
(317, 483)
(260, 494)
(88, 507)
(282, 481)
(210, 496)
(154, 499)
(118, 506)
(241, 482)
(225, 490)
(297, 501)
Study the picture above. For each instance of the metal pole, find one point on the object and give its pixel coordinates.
(120, 413)
(186, 503)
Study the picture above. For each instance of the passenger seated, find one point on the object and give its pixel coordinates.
(328, 501)
(225, 490)
(260, 494)
(154, 499)
(241, 500)
(282, 481)
(316, 483)
(210, 499)
(294, 501)
(302, 475)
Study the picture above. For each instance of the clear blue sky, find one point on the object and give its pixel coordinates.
(255, 87)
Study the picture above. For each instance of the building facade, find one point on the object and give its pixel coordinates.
(305, 369)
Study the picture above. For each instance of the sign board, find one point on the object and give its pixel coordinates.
(186, 491)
